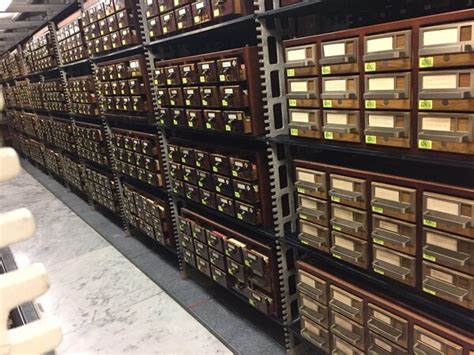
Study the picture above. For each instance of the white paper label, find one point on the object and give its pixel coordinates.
(333, 50)
(199, 5)
(387, 257)
(441, 241)
(387, 83)
(309, 229)
(342, 213)
(382, 317)
(227, 64)
(442, 206)
(441, 276)
(392, 227)
(298, 86)
(182, 11)
(335, 85)
(443, 36)
(344, 243)
(341, 297)
(293, 55)
(447, 81)
(205, 66)
(381, 121)
(436, 123)
(342, 184)
(228, 91)
(387, 194)
(431, 342)
(298, 116)
(306, 202)
(379, 44)
(337, 118)
(304, 176)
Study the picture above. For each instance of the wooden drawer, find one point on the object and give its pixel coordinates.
(449, 250)
(387, 52)
(448, 284)
(340, 57)
(189, 257)
(394, 201)
(388, 325)
(449, 213)
(231, 70)
(234, 249)
(313, 209)
(426, 342)
(314, 333)
(216, 240)
(314, 286)
(311, 182)
(341, 125)
(256, 261)
(387, 91)
(303, 92)
(397, 266)
(388, 128)
(217, 259)
(340, 347)
(394, 234)
(448, 132)
(378, 345)
(301, 61)
(350, 249)
(347, 304)
(340, 92)
(349, 220)
(310, 308)
(449, 45)
(188, 73)
(446, 90)
(349, 331)
(219, 276)
(304, 123)
(203, 266)
(314, 235)
(348, 190)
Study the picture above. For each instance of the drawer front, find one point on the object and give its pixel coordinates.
(207, 72)
(198, 233)
(236, 121)
(246, 191)
(168, 23)
(381, 346)
(217, 259)
(388, 325)
(304, 123)
(192, 192)
(248, 213)
(172, 75)
(213, 119)
(347, 304)
(183, 17)
(194, 118)
(210, 96)
(233, 96)
(243, 169)
(387, 91)
(394, 201)
(340, 346)
(219, 276)
(387, 128)
(188, 74)
(201, 250)
(313, 210)
(202, 159)
(449, 250)
(225, 205)
(314, 286)
(231, 69)
(448, 132)
(205, 180)
(178, 116)
(258, 262)
(349, 220)
(223, 185)
(348, 190)
(190, 175)
(314, 235)
(189, 257)
(426, 342)
(448, 284)
(186, 241)
(234, 250)
(301, 60)
(350, 249)
(351, 332)
(191, 96)
(449, 213)
(446, 90)
(235, 269)
(315, 334)
(339, 57)
(398, 266)
(208, 198)
(446, 45)
(203, 266)
(216, 240)
(178, 187)
(394, 234)
(187, 156)
(311, 182)
(260, 301)
(302, 89)
(201, 11)
(387, 52)
(340, 92)
(313, 310)
(220, 164)
(341, 125)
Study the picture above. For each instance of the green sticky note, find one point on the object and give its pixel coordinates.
(337, 228)
(224, 103)
(304, 242)
(208, 125)
(303, 216)
(214, 168)
(328, 135)
(292, 102)
(239, 216)
(377, 209)
(204, 102)
(371, 66)
(371, 139)
(200, 184)
(222, 77)
(425, 104)
(378, 241)
(325, 70)
(370, 104)
(202, 79)
(237, 194)
(425, 144)
(252, 302)
(327, 103)
(429, 223)
(294, 131)
(227, 127)
(301, 190)
(431, 292)
(378, 271)
(429, 257)
(234, 173)
(203, 201)
(426, 62)
(247, 263)
(336, 256)
(290, 72)
(175, 122)
(198, 163)
(218, 189)
(220, 208)
(188, 102)
(335, 199)
(190, 124)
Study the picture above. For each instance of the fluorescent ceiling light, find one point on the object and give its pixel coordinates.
(8, 15)
(4, 4)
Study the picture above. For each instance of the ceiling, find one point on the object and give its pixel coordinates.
(20, 18)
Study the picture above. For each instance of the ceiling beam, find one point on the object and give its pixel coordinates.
(36, 8)
(5, 24)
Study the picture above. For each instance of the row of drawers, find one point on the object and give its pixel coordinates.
(102, 189)
(125, 37)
